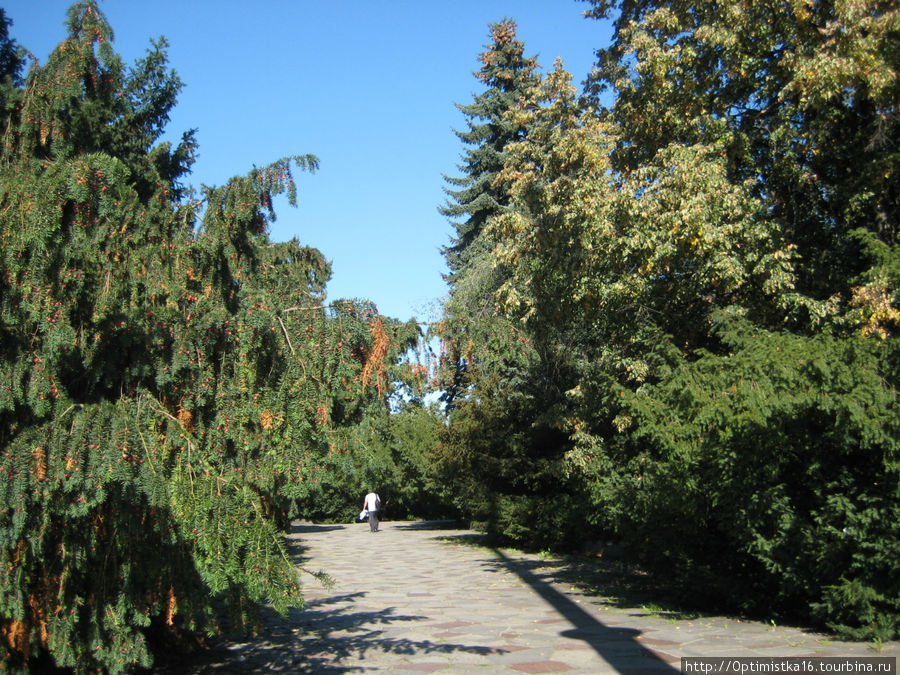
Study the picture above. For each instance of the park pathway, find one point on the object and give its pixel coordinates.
(421, 598)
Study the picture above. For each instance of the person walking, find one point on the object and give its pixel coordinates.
(372, 504)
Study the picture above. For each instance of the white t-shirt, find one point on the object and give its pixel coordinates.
(372, 502)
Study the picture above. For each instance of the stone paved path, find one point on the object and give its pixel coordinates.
(414, 598)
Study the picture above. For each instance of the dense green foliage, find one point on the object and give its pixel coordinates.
(389, 451)
(386, 446)
(694, 290)
(672, 321)
(171, 385)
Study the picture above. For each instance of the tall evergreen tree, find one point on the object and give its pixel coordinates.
(169, 378)
(503, 448)
(507, 76)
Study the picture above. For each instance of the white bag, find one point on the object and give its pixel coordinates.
(363, 514)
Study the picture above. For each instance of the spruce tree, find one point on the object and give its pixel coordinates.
(502, 449)
(507, 76)
(469, 318)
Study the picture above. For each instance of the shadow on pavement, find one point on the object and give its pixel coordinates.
(428, 525)
(317, 638)
(618, 646)
(608, 581)
(301, 528)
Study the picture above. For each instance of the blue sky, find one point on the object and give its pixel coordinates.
(368, 87)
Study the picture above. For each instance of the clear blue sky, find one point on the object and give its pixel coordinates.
(369, 87)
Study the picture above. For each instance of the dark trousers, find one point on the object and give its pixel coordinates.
(373, 521)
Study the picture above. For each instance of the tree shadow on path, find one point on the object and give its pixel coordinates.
(617, 645)
(318, 638)
(307, 528)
